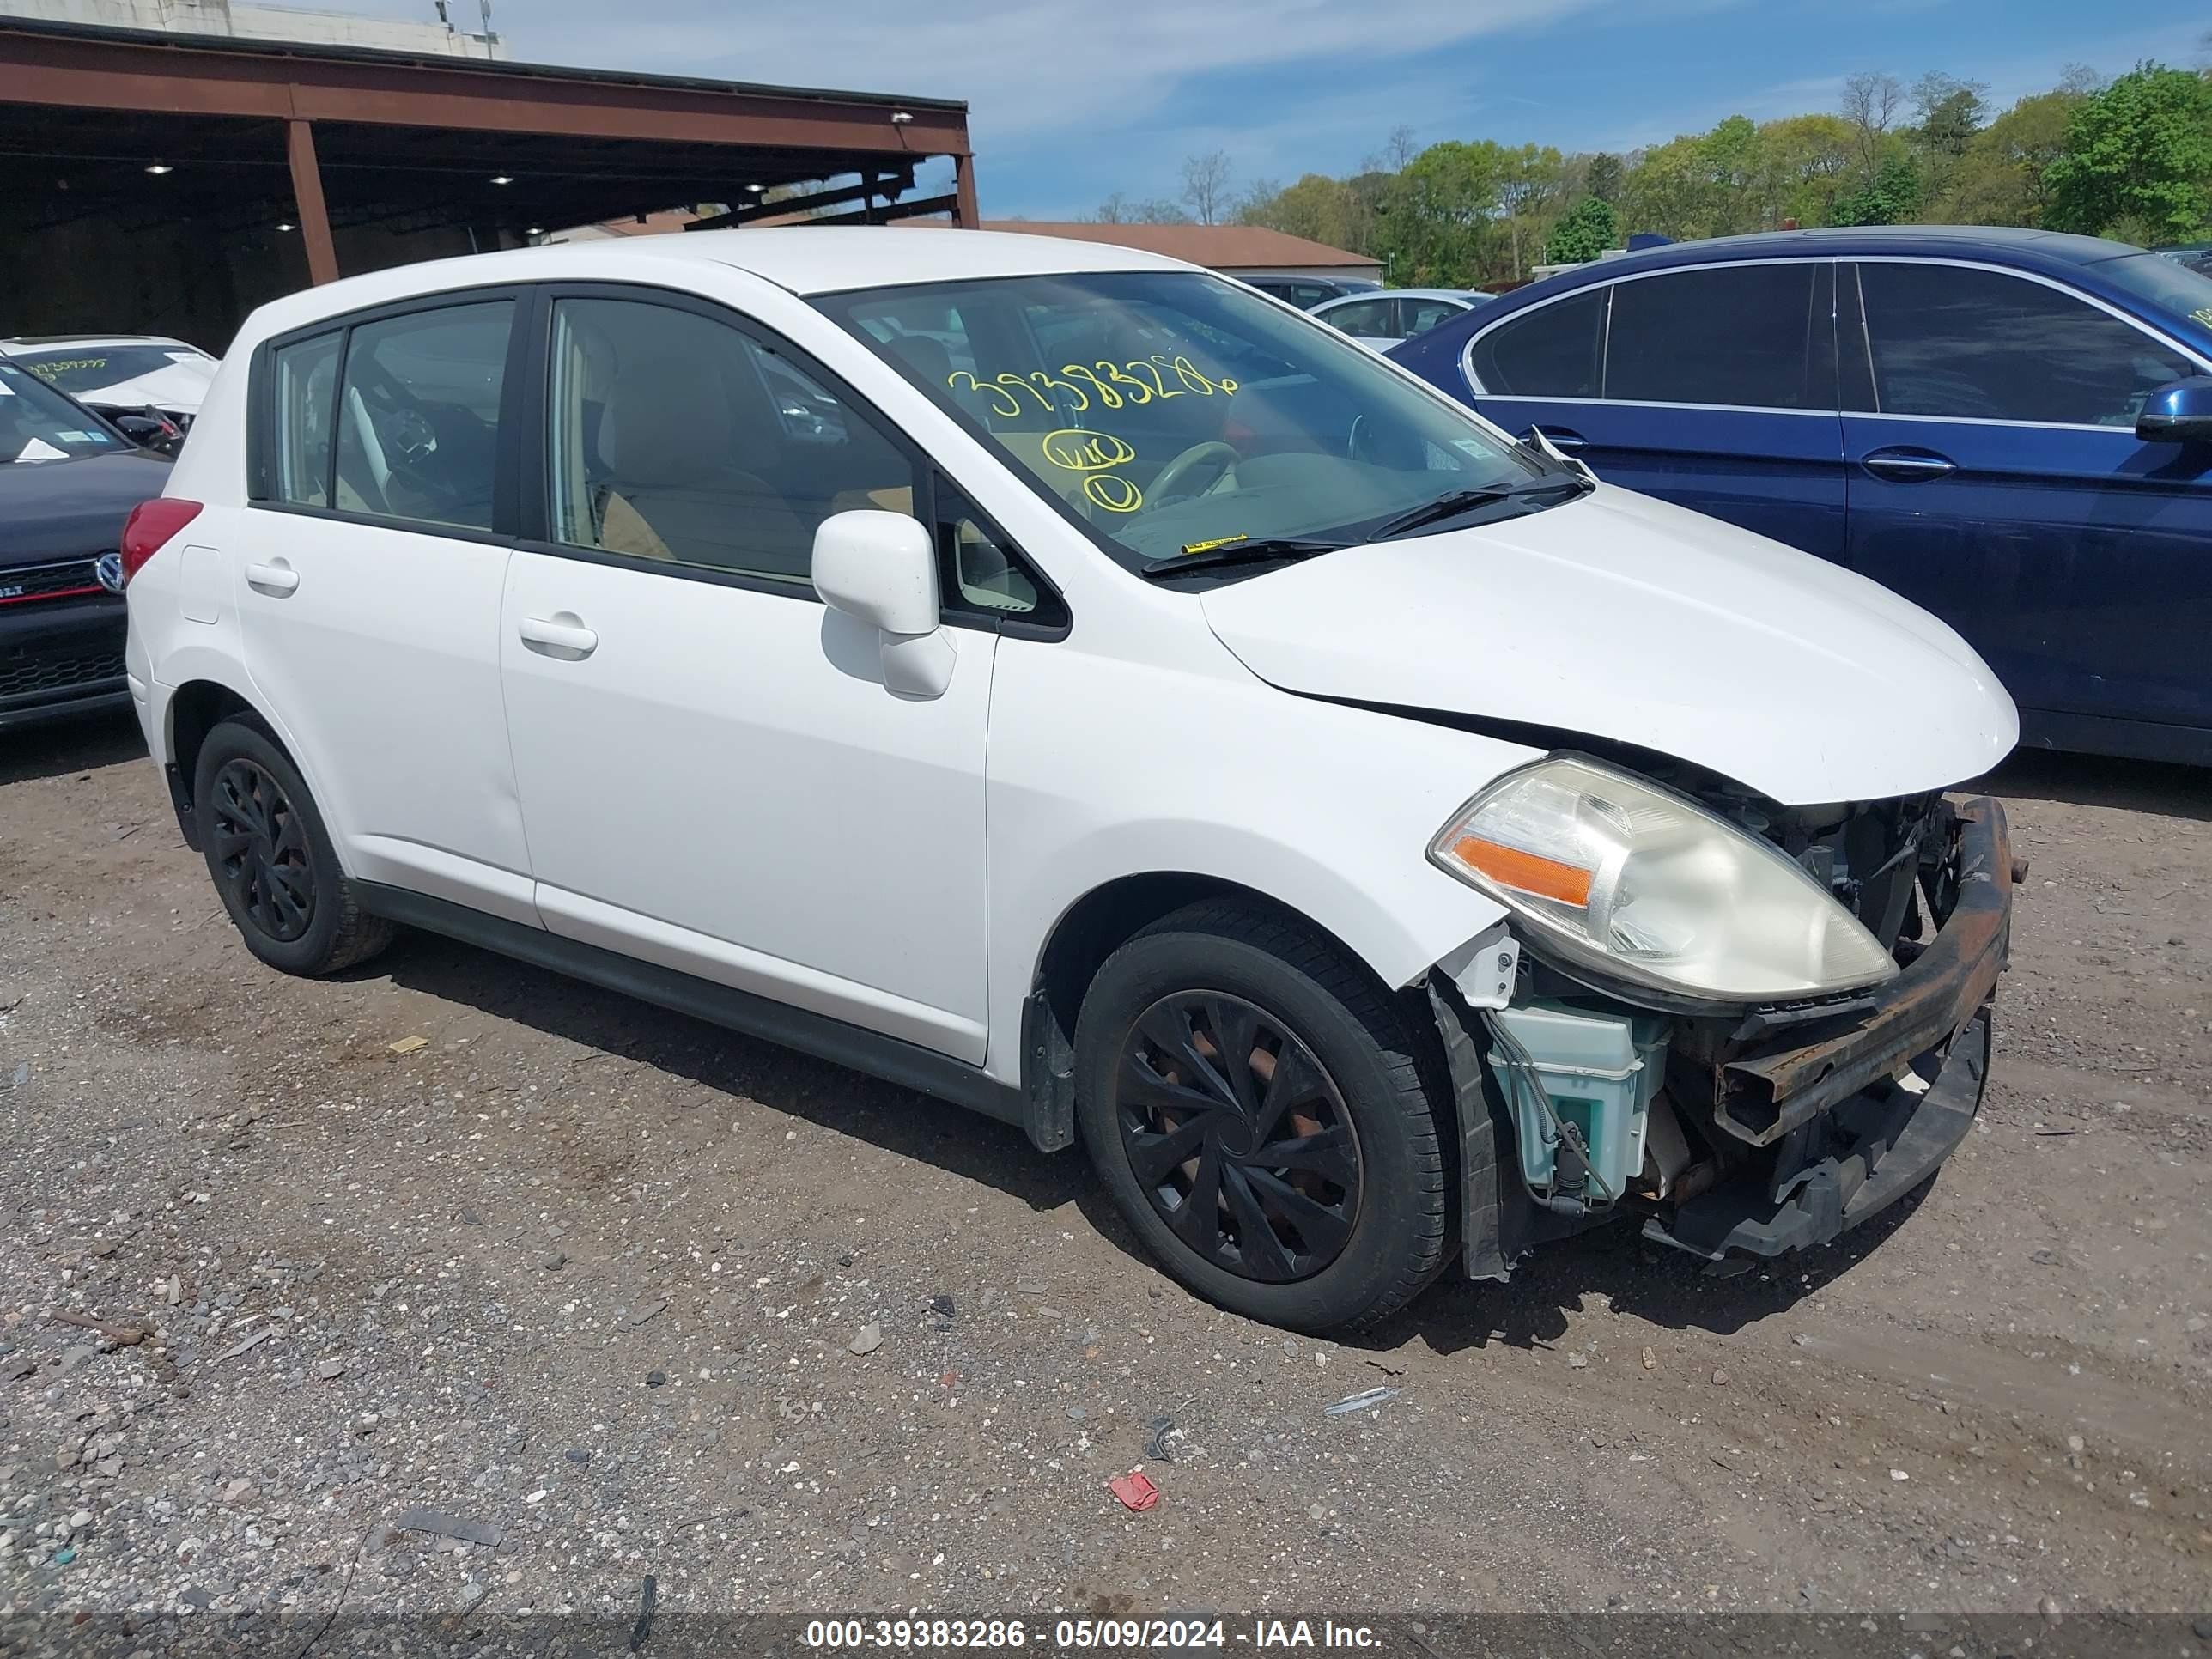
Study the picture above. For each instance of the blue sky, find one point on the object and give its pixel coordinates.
(1069, 102)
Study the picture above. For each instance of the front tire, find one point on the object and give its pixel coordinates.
(271, 857)
(1256, 1105)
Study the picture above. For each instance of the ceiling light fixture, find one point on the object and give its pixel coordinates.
(502, 179)
(900, 118)
(287, 225)
(160, 167)
(755, 189)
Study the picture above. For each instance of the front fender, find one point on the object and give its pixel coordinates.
(1328, 810)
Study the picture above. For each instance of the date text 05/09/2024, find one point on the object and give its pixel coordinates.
(1088, 1635)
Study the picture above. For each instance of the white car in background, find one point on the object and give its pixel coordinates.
(1062, 680)
(122, 375)
(1381, 320)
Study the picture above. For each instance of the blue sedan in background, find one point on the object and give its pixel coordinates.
(2013, 428)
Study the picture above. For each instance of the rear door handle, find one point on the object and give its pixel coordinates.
(1563, 439)
(562, 635)
(277, 578)
(1907, 465)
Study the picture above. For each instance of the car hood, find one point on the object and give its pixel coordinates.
(1622, 617)
(179, 386)
(72, 509)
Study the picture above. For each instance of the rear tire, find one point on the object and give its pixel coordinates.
(1305, 1187)
(272, 858)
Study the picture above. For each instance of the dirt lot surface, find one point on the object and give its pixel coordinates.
(581, 1282)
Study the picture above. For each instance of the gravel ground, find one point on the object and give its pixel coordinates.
(450, 1287)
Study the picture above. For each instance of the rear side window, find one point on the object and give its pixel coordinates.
(1984, 345)
(678, 438)
(418, 414)
(1369, 317)
(306, 374)
(1745, 334)
(1553, 351)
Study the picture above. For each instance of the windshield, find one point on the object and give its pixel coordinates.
(80, 369)
(1173, 413)
(2166, 284)
(39, 424)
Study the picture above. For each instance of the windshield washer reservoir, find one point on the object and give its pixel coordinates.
(1599, 1073)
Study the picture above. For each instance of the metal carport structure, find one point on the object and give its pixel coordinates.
(164, 183)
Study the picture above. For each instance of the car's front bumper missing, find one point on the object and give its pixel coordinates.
(1815, 1117)
(1849, 1111)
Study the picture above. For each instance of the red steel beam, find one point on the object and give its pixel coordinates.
(308, 197)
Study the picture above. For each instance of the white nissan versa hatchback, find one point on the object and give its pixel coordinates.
(1072, 684)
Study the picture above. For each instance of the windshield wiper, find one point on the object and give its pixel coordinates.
(1265, 549)
(1454, 502)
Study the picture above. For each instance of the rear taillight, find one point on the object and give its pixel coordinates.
(150, 527)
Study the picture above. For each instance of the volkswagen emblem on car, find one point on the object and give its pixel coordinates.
(108, 567)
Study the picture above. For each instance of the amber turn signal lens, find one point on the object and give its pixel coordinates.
(1526, 873)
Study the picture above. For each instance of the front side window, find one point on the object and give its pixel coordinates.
(1977, 345)
(306, 374)
(418, 414)
(37, 423)
(677, 437)
(1745, 334)
(1174, 413)
(1554, 351)
(1419, 316)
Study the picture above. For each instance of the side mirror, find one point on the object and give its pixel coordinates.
(880, 569)
(2180, 413)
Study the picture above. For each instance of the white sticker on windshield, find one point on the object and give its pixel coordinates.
(6, 390)
(40, 450)
(1472, 446)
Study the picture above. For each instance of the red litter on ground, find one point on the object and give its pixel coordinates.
(1134, 1490)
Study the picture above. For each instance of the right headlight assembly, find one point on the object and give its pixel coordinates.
(1644, 885)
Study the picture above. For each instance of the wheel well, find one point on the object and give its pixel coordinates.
(197, 710)
(1100, 923)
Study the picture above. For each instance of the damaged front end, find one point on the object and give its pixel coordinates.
(1735, 1132)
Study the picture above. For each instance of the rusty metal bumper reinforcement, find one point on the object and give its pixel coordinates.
(1858, 1116)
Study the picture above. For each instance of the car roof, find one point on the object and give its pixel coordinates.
(1373, 294)
(2007, 244)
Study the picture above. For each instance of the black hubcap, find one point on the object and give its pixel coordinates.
(260, 848)
(1238, 1136)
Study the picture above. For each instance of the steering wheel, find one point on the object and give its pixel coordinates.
(1213, 450)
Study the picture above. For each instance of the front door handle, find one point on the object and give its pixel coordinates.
(562, 635)
(277, 578)
(1907, 465)
(1566, 440)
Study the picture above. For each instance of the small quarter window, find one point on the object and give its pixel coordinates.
(1552, 351)
(306, 375)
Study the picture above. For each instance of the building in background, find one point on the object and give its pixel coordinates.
(226, 18)
(154, 181)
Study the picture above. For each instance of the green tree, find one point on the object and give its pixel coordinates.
(1892, 196)
(1527, 181)
(1442, 204)
(1587, 230)
(2140, 150)
(1602, 176)
(1805, 161)
(2003, 176)
(1317, 207)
